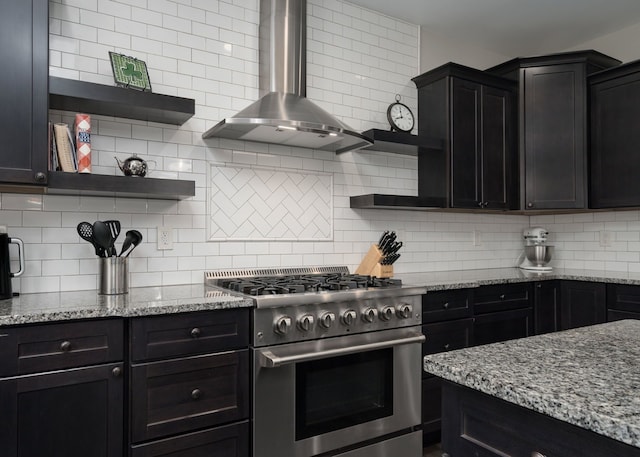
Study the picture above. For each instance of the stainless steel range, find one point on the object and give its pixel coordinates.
(336, 362)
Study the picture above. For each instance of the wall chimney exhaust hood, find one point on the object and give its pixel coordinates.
(284, 115)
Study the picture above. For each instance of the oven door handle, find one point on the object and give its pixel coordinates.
(313, 350)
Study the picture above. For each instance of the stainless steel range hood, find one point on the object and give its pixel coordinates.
(284, 115)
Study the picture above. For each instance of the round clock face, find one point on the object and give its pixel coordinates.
(400, 117)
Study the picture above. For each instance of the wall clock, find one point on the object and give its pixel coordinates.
(400, 116)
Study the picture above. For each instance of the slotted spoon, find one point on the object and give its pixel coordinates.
(85, 230)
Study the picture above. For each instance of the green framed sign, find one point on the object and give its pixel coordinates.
(130, 72)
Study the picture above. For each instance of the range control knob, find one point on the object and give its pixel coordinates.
(369, 315)
(326, 320)
(349, 317)
(386, 314)
(282, 325)
(305, 323)
(404, 311)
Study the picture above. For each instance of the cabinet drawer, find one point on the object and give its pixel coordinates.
(187, 334)
(447, 336)
(183, 395)
(489, 299)
(503, 326)
(47, 347)
(445, 305)
(228, 441)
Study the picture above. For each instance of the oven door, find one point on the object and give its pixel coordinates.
(319, 396)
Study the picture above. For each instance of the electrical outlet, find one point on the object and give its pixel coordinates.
(165, 238)
(606, 238)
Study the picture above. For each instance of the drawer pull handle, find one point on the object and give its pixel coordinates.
(117, 371)
(502, 297)
(446, 305)
(195, 332)
(537, 454)
(447, 346)
(196, 394)
(65, 346)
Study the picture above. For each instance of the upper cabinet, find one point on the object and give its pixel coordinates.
(553, 126)
(473, 113)
(24, 153)
(23, 121)
(615, 136)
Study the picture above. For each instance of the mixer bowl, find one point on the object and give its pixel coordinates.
(539, 254)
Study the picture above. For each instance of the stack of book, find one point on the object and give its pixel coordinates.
(71, 153)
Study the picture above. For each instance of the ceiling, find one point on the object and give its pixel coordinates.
(514, 27)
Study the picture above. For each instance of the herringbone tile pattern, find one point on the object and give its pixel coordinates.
(268, 204)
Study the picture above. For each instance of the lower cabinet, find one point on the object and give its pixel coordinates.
(63, 390)
(582, 303)
(190, 385)
(484, 426)
(623, 302)
(546, 306)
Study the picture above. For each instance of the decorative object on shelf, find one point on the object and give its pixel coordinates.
(134, 166)
(130, 72)
(400, 116)
(83, 142)
(380, 259)
(64, 148)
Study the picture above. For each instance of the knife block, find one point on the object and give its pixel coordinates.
(371, 266)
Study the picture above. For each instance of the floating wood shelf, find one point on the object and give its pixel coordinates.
(399, 143)
(61, 183)
(81, 96)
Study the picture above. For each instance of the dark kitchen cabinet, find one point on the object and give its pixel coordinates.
(24, 34)
(546, 306)
(480, 425)
(190, 374)
(582, 304)
(448, 325)
(553, 126)
(623, 302)
(473, 113)
(62, 394)
(502, 312)
(615, 116)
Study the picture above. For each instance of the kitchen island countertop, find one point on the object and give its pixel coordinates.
(140, 301)
(588, 377)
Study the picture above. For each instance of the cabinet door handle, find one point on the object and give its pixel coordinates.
(116, 372)
(196, 394)
(529, 205)
(446, 305)
(195, 332)
(502, 297)
(65, 346)
(537, 454)
(447, 346)
(40, 177)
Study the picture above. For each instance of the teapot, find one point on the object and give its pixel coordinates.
(133, 166)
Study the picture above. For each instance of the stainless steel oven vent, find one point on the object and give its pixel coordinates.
(211, 277)
(284, 115)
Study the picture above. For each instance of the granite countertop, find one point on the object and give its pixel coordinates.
(140, 301)
(445, 280)
(587, 377)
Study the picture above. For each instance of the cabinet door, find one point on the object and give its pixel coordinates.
(431, 410)
(546, 297)
(71, 413)
(583, 303)
(615, 116)
(502, 326)
(623, 302)
(465, 144)
(498, 148)
(24, 34)
(554, 136)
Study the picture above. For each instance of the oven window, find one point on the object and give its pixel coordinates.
(339, 392)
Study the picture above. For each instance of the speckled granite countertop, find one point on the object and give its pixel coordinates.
(589, 377)
(140, 301)
(444, 280)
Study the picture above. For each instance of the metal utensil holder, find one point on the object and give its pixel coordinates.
(114, 275)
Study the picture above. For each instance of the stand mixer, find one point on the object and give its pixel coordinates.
(537, 252)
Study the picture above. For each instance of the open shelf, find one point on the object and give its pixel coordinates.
(61, 183)
(399, 143)
(384, 201)
(84, 97)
